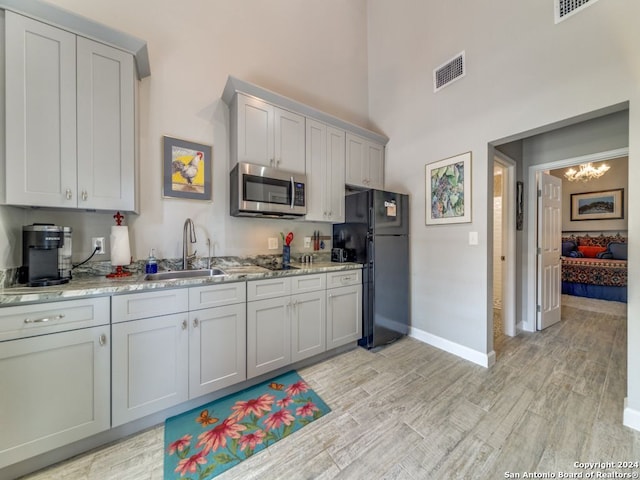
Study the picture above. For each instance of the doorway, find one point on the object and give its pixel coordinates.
(504, 322)
(531, 312)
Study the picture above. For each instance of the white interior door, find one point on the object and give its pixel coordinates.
(549, 241)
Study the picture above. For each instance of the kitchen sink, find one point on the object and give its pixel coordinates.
(181, 274)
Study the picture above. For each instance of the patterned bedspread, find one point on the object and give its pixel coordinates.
(595, 271)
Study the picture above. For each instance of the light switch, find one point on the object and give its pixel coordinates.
(307, 242)
(273, 243)
(473, 238)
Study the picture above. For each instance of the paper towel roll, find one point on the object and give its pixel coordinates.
(120, 250)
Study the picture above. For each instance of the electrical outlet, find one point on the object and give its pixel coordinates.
(98, 242)
(307, 242)
(273, 243)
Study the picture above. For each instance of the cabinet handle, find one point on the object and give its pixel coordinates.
(277, 163)
(195, 323)
(102, 340)
(346, 279)
(85, 195)
(68, 194)
(271, 162)
(44, 319)
(184, 324)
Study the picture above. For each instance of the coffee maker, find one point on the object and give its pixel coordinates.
(41, 246)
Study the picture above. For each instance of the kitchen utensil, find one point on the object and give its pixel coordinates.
(289, 238)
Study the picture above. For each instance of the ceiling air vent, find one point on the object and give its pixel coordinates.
(449, 72)
(565, 8)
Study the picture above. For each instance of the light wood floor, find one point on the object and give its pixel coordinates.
(410, 411)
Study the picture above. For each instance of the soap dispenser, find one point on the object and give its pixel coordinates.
(152, 263)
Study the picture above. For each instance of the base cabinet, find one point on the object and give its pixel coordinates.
(162, 360)
(344, 308)
(150, 363)
(55, 391)
(217, 348)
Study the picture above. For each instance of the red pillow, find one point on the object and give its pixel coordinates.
(591, 251)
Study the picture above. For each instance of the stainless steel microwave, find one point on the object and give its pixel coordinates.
(260, 191)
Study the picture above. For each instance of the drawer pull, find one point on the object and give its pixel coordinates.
(44, 319)
(103, 339)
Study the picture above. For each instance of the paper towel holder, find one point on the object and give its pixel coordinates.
(120, 250)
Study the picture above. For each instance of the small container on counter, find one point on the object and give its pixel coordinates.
(152, 264)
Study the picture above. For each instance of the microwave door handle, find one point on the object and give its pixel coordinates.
(293, 192)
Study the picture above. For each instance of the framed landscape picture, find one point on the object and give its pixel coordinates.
(187, 169)
(604, 205)
(448, 190)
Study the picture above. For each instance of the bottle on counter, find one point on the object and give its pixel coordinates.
(152, 264)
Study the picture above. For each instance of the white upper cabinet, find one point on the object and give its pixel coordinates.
(364, 162)
(265, 134)
(106, 128)
(71, 139)
(270, 129)
(325, 172)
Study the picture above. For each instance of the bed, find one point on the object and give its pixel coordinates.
(595, 267)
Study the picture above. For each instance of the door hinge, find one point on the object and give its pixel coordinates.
(539, 193)
(539, 251)
(538, 308)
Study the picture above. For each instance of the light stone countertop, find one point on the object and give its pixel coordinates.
(93, 286)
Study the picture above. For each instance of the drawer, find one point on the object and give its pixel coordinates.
(217, 295)
(148, 304)
(271, 288)
(43, 318)
(344, 278)
(308, 283)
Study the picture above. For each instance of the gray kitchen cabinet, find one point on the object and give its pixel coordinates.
(344, 308)
(325, 160)
(55, 376)
(71, 139)
(285, 321)
(364, 162)
(217, 337)
(150, 353)
(264, 134)
(150, 363)
(173, 345)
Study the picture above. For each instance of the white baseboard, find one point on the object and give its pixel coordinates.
(483, 359)
(631, 417)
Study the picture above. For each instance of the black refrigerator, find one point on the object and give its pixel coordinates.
(376, 234)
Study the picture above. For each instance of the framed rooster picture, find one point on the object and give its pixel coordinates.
(187, 169)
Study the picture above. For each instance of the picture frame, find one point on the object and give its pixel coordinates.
(448, 190)
(187, 169)
(602, 205)
(519, 205)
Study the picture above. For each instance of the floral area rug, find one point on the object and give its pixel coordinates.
(204, 442)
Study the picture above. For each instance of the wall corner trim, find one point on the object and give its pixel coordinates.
(485, 360)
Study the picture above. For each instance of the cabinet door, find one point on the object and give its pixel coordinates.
(55, 391)
(150, 366)
(217, 348)
(308, 325)
(344, 315)
(325, 169)
(106, 132)
(255, 130)
(41, 114)
(289, 135)
(316, 170)
(375, 157)
(335, 174)
(356, 167)
(268, 335)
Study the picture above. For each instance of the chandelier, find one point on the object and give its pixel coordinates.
(586, 172)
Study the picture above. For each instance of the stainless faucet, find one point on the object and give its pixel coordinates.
(188, 225)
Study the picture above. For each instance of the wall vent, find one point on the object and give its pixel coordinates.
(565, 8)
(449, 72)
